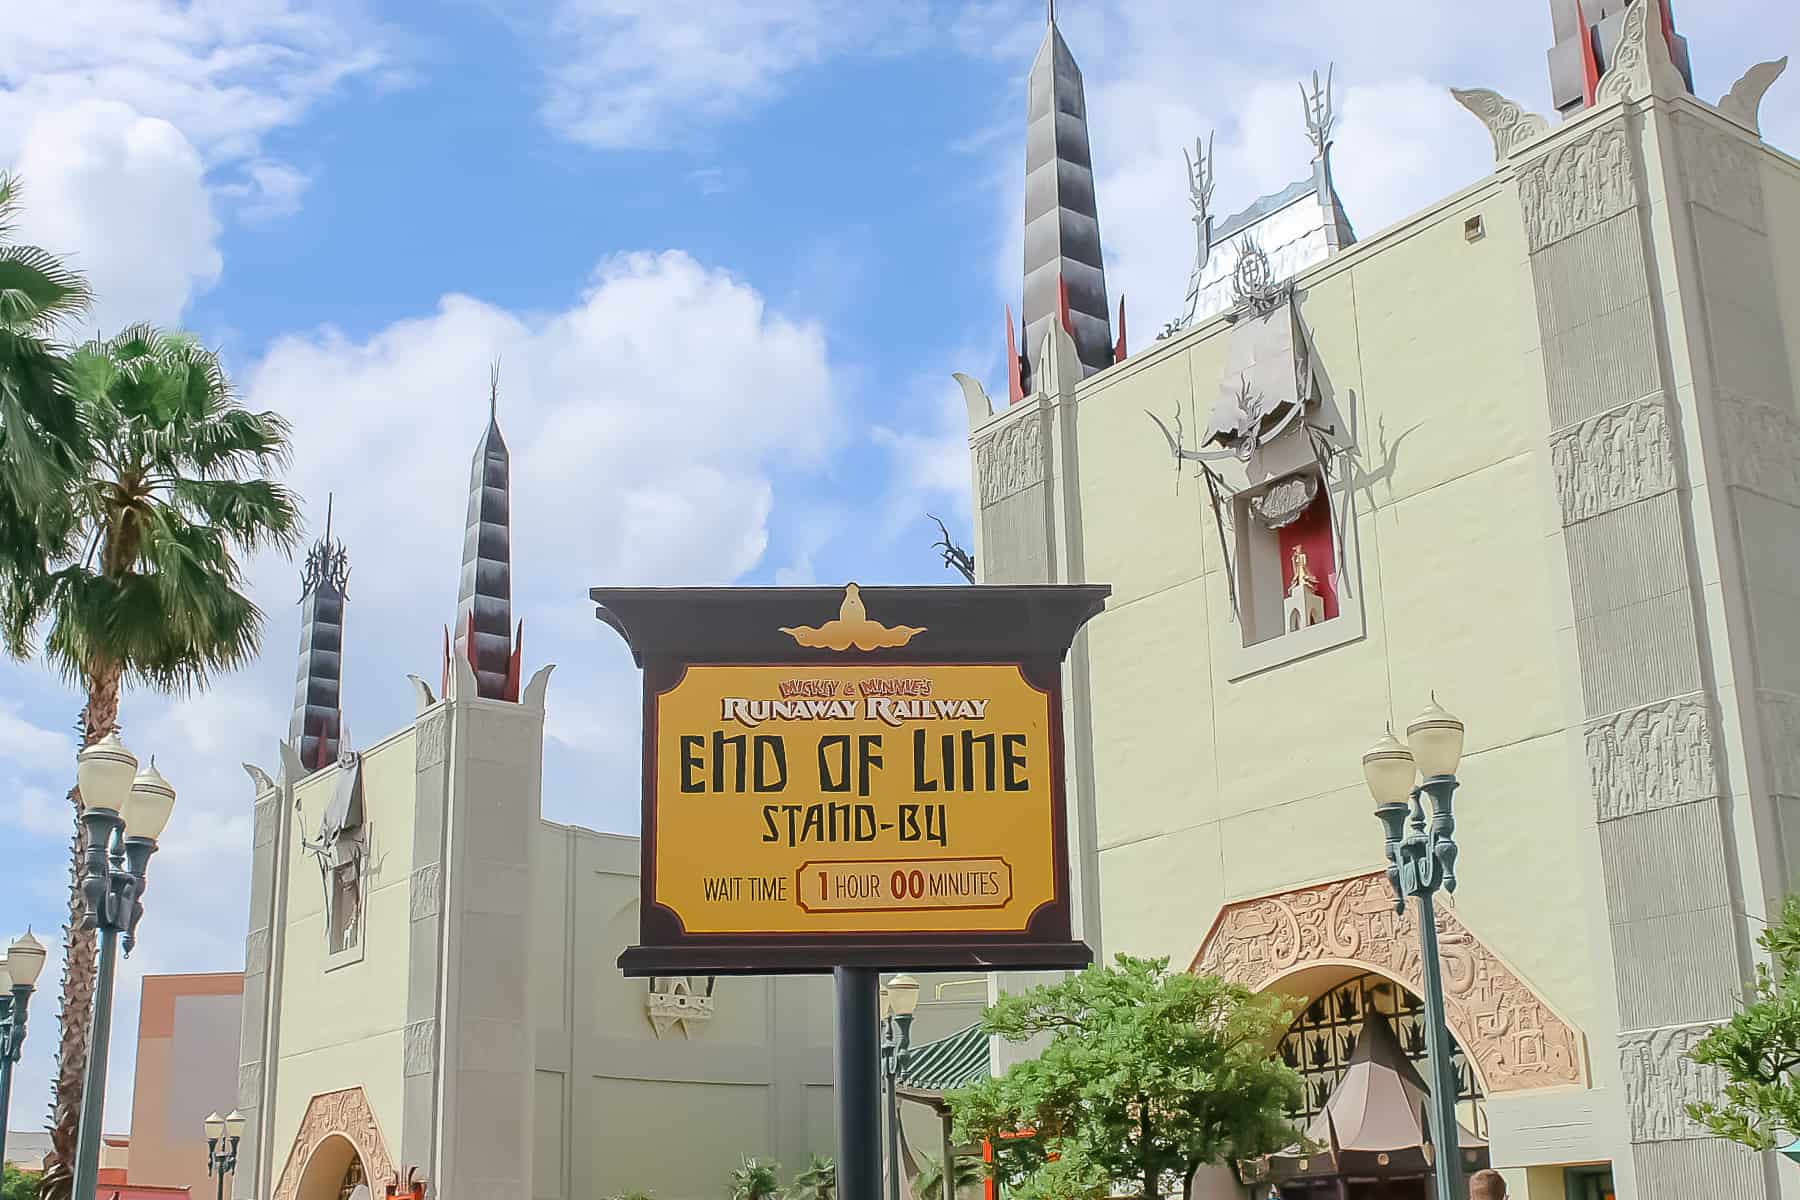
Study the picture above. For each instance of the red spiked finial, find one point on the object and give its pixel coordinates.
(1015, 372)
(511, 691)
(1062, 305)
(444, 681)
(1119, 346)
(1590, 61)
(1668, 24)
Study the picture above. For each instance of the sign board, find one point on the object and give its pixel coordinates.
(852, 777)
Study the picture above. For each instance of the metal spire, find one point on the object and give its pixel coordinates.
(483, 631)
(1062, 224)
(316, 724)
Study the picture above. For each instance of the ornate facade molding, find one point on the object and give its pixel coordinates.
(262, 822)
(1721, 171)
(1577, 185)
(418, 1053)
(1010, 459)
(1617, 458)
(344, 1114)
(424, 891)
(1641, 66)
(1761, 448)
(1653, 757)
(249, 1093)
(1661, 1081)
(432, 740)
(1743, 103)
(1514, 1039)
(1779, 716)
(673, 1000)
(256, 952)
(1510, 125)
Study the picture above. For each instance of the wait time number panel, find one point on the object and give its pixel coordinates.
(842, 799)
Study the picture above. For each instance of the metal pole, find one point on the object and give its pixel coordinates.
(93, 1096)
(1437, 1039)
(220, 1163)
(858, 1087)
(947, 1147)
(6, 1067)
(891, 1069)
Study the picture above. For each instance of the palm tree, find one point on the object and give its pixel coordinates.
(755, 1180)
(929, 1185)
(137, 576)
(817, 1182)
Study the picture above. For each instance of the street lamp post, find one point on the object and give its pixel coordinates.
(123, 812)
(899, 1000)
(19, 968)
(222, 1135)
(1420, 861)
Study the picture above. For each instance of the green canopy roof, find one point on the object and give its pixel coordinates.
(948, 1063)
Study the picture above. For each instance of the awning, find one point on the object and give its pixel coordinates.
(947, 1063)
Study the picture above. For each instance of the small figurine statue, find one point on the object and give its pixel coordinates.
(1303, 605)
(1303, 577)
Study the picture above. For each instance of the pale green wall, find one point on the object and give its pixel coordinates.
(1210, 791)
(342, 1028)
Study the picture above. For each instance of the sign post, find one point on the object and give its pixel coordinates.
(853, 781)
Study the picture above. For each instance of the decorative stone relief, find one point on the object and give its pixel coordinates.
(432, 742)
(1576, 186)
(1743, 103)
(418, 1054)
(1660, 1082)
(1515, 1040)
(1641, 66)
(425, 891)
(1612, 460)
(1010, 459)
(1780, 719)
(345, 1114)
(1761, 448)
(1507, 123)
(249, 1093)
(256, 952)
(1721, 171)
(262, 822)
(1653, 757)
(674, 1001)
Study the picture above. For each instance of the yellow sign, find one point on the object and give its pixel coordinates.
(803, 799)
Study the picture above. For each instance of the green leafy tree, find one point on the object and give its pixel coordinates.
(19, 1185)
(137, 575)
(1758, 1050)
(965, 1173)
(756, 1180)
(817, 1182)
(1147, 1075)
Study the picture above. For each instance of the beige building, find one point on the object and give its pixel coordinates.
(431, 992)
(186, 1069)
(1535, 449)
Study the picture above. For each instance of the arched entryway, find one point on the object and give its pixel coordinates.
(1294, 941)
(1323, 1038)
(337, 1149)
(335, 1172)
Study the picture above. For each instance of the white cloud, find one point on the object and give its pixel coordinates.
(122, 196)
(634, 73)
(35, 811)
(125, 116)
(26, 746)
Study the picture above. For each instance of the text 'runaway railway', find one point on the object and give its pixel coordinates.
(851, 792)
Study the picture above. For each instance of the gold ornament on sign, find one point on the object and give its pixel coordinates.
(852, 628)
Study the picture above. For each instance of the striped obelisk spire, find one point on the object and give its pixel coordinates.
(1065, 280)
(484, 631)
(317, 720)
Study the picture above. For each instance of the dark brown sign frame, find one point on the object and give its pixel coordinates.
(671, 629)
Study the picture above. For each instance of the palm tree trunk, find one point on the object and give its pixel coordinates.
(75, 1015)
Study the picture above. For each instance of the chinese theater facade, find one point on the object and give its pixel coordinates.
(1536, 449)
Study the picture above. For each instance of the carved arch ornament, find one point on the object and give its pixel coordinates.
(345, 1114)
(1512, 1037)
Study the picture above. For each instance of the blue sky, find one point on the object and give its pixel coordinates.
(729, 252)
